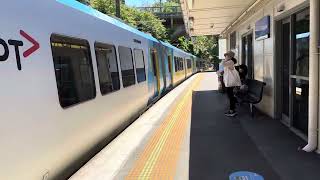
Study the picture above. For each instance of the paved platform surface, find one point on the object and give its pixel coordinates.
(194, 140)
(221, 145)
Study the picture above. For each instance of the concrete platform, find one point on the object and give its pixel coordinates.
(186, 136)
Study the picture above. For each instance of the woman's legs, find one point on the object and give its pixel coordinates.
(231, 97)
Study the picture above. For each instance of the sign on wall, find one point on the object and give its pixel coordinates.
(262, 28)
(222, 48)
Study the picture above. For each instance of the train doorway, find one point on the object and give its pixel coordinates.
(170, 70)
(155, 68)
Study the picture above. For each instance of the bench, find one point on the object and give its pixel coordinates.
(254, 93)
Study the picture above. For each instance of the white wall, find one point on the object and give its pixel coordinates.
(222, 48)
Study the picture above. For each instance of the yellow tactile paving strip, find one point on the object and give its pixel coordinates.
(159, 158)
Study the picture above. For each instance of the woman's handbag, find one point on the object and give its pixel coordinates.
(231, 77)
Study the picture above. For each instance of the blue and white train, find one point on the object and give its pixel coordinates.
(71, 79)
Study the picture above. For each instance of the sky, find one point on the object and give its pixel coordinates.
(139, 3)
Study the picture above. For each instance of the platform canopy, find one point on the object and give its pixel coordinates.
(209, 17)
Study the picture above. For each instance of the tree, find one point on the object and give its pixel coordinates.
(167, 7)
(205, 47)
(144, 21)
(147, 22)
(185, 44)
(105, 6)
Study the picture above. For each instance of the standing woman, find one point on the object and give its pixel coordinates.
(231, 80)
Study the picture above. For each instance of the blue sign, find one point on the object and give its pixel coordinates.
(262, 30)
(245, 175)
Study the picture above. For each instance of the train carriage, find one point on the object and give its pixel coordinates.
(71, 79)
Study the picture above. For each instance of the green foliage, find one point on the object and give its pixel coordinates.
(104, 6)
(205, 47)
(147, 22)
(144, 21)
(168, 6)
(185, 44)
(129, 15)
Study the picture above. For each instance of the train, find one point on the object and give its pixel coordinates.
(72, 79)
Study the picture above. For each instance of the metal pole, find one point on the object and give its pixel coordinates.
(118, 9)
(313, 78)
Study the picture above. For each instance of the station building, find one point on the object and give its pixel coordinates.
(278, 40)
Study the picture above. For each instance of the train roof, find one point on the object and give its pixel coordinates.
(89, 10)
(95, 13)
(177, 49)
(173, 47)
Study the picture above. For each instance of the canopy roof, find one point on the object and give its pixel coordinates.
(209, 17)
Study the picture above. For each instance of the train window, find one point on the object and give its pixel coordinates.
(127, 70)
(140, 67)
(73, 69)
(107, 68)
(175, 64)
(189, 65)
(169, 63)
(181, 64)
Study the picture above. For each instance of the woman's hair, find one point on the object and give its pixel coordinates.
(234, 60)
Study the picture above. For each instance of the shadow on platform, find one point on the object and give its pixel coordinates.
(220, 145)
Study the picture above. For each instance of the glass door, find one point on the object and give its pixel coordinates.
(300, 71)
(285, 69)
(294, 70)
(247, 53)
(250, 56)
(244, 50)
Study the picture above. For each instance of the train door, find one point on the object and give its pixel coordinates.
(155, 69)
(164, 73)
(169, 59)
(194, 68)
(185, 67)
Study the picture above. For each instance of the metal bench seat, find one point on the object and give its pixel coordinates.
(254, 94)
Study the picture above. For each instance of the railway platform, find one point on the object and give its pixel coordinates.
(185, 135)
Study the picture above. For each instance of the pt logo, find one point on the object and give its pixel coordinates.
(17, 44)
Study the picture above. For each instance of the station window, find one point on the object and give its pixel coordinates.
(73, 69)
(140, 67)
(127, 69)
(107, 68)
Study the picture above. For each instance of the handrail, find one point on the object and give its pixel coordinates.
(162, 10)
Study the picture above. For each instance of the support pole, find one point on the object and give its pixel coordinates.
(313, 78)
(118, 9)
